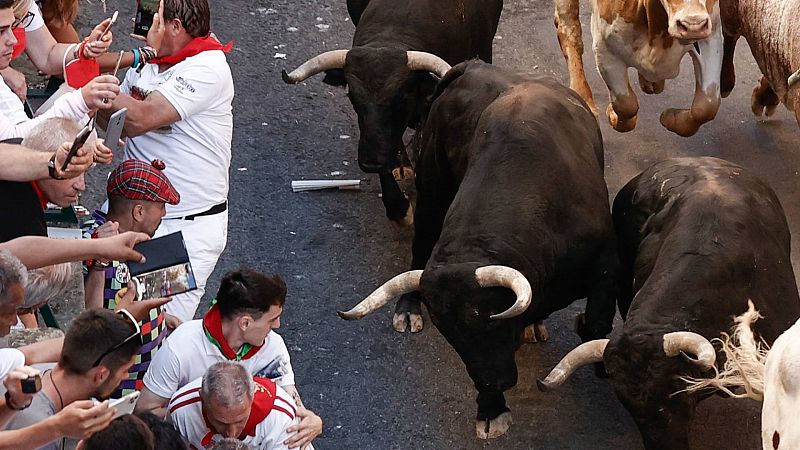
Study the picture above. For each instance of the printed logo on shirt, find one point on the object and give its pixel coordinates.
(184, 85)
(274, 370)
(122, 275)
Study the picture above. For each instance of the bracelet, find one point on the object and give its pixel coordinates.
(11, 406)
(147, 54)
(82, 50)
(135, 57)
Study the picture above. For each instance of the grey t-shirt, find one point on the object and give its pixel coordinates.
(41, 408)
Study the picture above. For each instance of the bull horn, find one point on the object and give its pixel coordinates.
(399, 285)
(686, 341)
(489, 276)
(586, 353)
(333, 59)
(794, 78)
(427, 61)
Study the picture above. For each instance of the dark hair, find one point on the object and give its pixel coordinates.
(5, 4)
(91, 334)
(247, 291)
(124, 433)
(165, 435)
(193, 14)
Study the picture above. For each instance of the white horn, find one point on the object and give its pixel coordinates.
(686, 341)
(333, 59)
(490, 276)
(794, 78)
(399, 285)
(586, 353)
(427, 61)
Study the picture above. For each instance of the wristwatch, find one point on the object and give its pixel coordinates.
(51, 168)
(11, 407)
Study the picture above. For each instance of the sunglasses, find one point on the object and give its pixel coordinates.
(137, 334)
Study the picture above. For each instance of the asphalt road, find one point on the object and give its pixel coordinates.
(375, 388)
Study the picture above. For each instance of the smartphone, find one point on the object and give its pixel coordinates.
(125, 404)
(114, 129)
(145, 10)
(31, 385)
(108, 27)
(80, 139)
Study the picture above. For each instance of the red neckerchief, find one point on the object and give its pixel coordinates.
(194, 47)
(263, 401)
(40, 195)
(19, 47)
(212, 325)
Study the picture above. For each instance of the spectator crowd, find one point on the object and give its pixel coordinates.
(224, 381)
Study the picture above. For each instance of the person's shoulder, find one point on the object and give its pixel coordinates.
(185, 397)
(187, 333)
(211, 61)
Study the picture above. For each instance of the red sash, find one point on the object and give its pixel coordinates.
(263, 401)
(194, 47)
(212, 325)
(19, 47)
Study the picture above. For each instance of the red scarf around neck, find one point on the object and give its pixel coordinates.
(194, 47)
(263, 401)
(212, 325)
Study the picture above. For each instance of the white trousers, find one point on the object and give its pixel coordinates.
(205, 239)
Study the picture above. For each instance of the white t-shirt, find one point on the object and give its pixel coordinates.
(38, 20)
(187, 353)
(10, 359)
(186, 413)
(15, 124)
(197, 148)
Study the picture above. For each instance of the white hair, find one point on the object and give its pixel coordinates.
(46, 283)
(50, 133)
(745, 361)
(227, 383)
(12, 272)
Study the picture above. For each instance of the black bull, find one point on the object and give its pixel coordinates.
(698, 237)
(510, 193)
(390, 89)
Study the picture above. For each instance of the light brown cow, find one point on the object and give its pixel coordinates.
(651, 36)
(772, 29)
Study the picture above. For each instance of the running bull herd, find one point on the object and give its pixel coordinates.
(513, 222)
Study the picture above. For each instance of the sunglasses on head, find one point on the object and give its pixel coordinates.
(137, 334)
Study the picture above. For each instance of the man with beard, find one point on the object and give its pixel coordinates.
(99, 348)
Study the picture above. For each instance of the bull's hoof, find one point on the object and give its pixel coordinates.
(406, 320)
(621, 125)
(493, 428)
(764, 100)
(407, 220)
(535, 333)
(403, 173)
(679, 121)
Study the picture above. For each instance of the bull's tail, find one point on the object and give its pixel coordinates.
(568, 28)
(744, 367)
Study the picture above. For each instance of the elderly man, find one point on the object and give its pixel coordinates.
(137, 192)
(228, 403)
(239, 327)
(179, 111)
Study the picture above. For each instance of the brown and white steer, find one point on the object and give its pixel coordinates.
(651, 36)
(772, 29)
(770, 376)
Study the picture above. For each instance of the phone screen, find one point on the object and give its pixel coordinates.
(145, 10)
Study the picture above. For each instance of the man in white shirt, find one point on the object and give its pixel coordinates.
(237, 328)
(228, 403)
(179, 111)
(75, 105)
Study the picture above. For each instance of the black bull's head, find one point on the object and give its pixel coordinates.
(470, 307)
(388, 88)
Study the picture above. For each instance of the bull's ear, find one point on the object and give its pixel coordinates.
(335, 77)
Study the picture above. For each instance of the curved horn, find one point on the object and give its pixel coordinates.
(333, 59)
(586, 353)
(686, 341)
(489, 276)
(427, 61)
(794, 78)
(399, 285)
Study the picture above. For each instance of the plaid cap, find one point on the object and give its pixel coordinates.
(139, 180)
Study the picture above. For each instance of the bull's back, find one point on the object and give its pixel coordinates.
(455, 30)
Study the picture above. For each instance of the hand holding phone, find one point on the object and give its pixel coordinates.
(145, 10)
(125, 404)
(114, 129)
(80, 139)
(32, 384)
